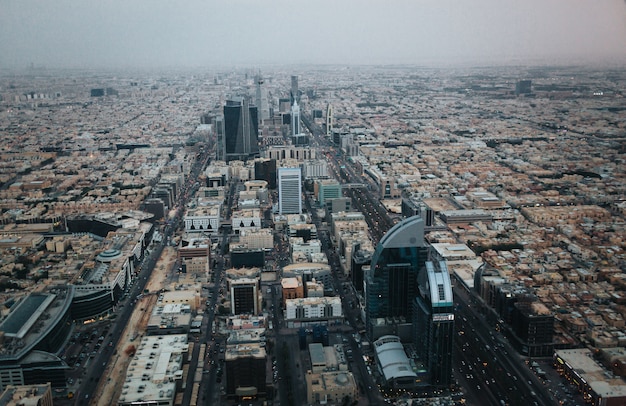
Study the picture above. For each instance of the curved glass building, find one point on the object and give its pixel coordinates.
(391, 282)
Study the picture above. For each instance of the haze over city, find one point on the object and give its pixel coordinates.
(152, 34)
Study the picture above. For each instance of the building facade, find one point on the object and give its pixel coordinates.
(391, 282)
(433, 323)
(241, 129)
(289, 191)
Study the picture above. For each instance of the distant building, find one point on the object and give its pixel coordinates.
(329, 120)
(262, 103)
(523, 87)
(295, 120)
(330, 387)
(294, 94)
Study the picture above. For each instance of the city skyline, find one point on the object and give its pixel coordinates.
(196, 34)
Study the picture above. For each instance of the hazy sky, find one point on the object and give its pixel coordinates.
(192, 33)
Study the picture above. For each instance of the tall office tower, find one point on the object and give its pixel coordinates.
(220, 142)
(295, 119)
(289, 191)
(391, 282)
(241, 129)
(433, 323)
(244, 296)
(262, 102)
(329, 120)
(293, 94)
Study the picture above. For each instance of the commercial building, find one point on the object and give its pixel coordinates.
(156, 371)
(289, 191)
(330, 387)
(35, 395)
(433, 323)
(245, 371)
(327, 189)
(396, 368)
(593, 381)
(244, 296)
(391, 282)
(241, 129)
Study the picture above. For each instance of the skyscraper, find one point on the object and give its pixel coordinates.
(391, 282)
(240, 131)
(295, 119)
(433, 323)
(262, 102)
(289, 191)
(329, 120)
(293, 94)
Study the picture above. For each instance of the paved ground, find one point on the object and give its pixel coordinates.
(110, 385)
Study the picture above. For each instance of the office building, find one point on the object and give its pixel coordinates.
(265, 169)
(245, 371)
(262, 103)
(27, 395)
(294, 94)
(244, 295)
(218, 129)
(391, 282)
(295, 119)
(240, 131)
(433, 323)
(327, 189)
(523, 87)
(289, 191)
(329, 120)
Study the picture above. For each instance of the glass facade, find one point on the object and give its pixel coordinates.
(391, 282)
(433, 323)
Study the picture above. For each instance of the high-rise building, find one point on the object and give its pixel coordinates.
(391, 282)
(289, 191)
(294, 94)
(240, 131)
(433, 322)
(262, 102)
(329, 120)
(295, 119)
(218, 129)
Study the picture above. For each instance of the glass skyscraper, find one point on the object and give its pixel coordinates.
(241, 129)
(391, 282)
(433, 323)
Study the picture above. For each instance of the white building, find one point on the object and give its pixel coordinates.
(249, 219)
(313, 308)
(289, 191)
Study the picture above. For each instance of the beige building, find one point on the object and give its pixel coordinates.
(330, 387)
(27, 395)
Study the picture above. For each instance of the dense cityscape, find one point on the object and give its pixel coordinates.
(341, 235)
